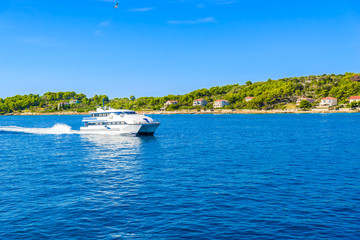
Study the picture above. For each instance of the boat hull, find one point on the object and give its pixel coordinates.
(141, 129)
(148, 129)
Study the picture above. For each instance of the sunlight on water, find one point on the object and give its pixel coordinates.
(108, 146)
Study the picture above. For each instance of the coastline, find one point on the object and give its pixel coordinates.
(219, 111)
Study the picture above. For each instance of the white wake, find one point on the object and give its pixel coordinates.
(56, 129)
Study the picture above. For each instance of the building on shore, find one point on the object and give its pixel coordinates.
(354, 99)
(328, 102)
(61, 105)
(74, 101)
(199, 102)
(310, 100)
(220, 103)
(170, 102)
(249, 98)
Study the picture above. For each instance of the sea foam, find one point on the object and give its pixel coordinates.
(56, 129)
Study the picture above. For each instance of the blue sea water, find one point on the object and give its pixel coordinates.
(288, 176)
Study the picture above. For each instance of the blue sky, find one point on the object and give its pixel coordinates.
(155, 48)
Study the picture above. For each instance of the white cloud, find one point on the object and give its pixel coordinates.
(41, 41)
(224, 2)
(101, 25)
(104, 24)
(197, 21)
(98, 33)
(141, 9)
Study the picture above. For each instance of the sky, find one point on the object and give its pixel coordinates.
(156, 48)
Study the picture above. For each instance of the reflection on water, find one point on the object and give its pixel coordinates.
(115, 162)
(110, 146)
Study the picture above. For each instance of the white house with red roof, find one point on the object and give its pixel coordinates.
(170, 102)
(220, 103)
(354, 99)
(199, 102)
(328, 102)
(310, 100)
(249, 98)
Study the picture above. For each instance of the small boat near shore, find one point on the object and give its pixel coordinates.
(119, 121)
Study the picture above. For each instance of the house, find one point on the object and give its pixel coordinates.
(220, 103)
(249, 98)
(62, 104)
(354, 99)
(310, 100)
(328, 102)
(199, 102)
(74, 101)
(170, 102)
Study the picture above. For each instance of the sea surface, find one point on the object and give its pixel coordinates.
(273, 176)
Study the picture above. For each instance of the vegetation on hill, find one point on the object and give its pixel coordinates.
(267, 95)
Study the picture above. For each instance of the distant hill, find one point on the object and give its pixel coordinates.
(267, 95)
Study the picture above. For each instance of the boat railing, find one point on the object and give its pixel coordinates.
(154, 122)
(88, 118)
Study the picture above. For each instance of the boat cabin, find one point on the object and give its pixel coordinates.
(105, 114)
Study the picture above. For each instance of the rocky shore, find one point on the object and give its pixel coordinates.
(217, 111)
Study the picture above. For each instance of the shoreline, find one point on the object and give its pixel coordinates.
(220, 111)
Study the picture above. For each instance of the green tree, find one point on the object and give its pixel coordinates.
(353, 104)
(304, 104)
(172, 107)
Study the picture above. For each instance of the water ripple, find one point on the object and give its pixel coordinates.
(199, 177)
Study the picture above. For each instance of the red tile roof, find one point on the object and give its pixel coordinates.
(220, 100)
(249, 97)
(355, 97)
(329, 98)
(198, 99)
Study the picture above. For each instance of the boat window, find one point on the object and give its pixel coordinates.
(118, 113)
(104, 123)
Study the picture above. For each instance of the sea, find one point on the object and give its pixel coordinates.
(251, 176)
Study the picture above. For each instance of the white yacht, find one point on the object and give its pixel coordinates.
(119, 121)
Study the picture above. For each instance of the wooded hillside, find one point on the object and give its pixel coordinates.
(268, 95)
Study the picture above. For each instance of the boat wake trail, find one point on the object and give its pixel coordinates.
(56, 129)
